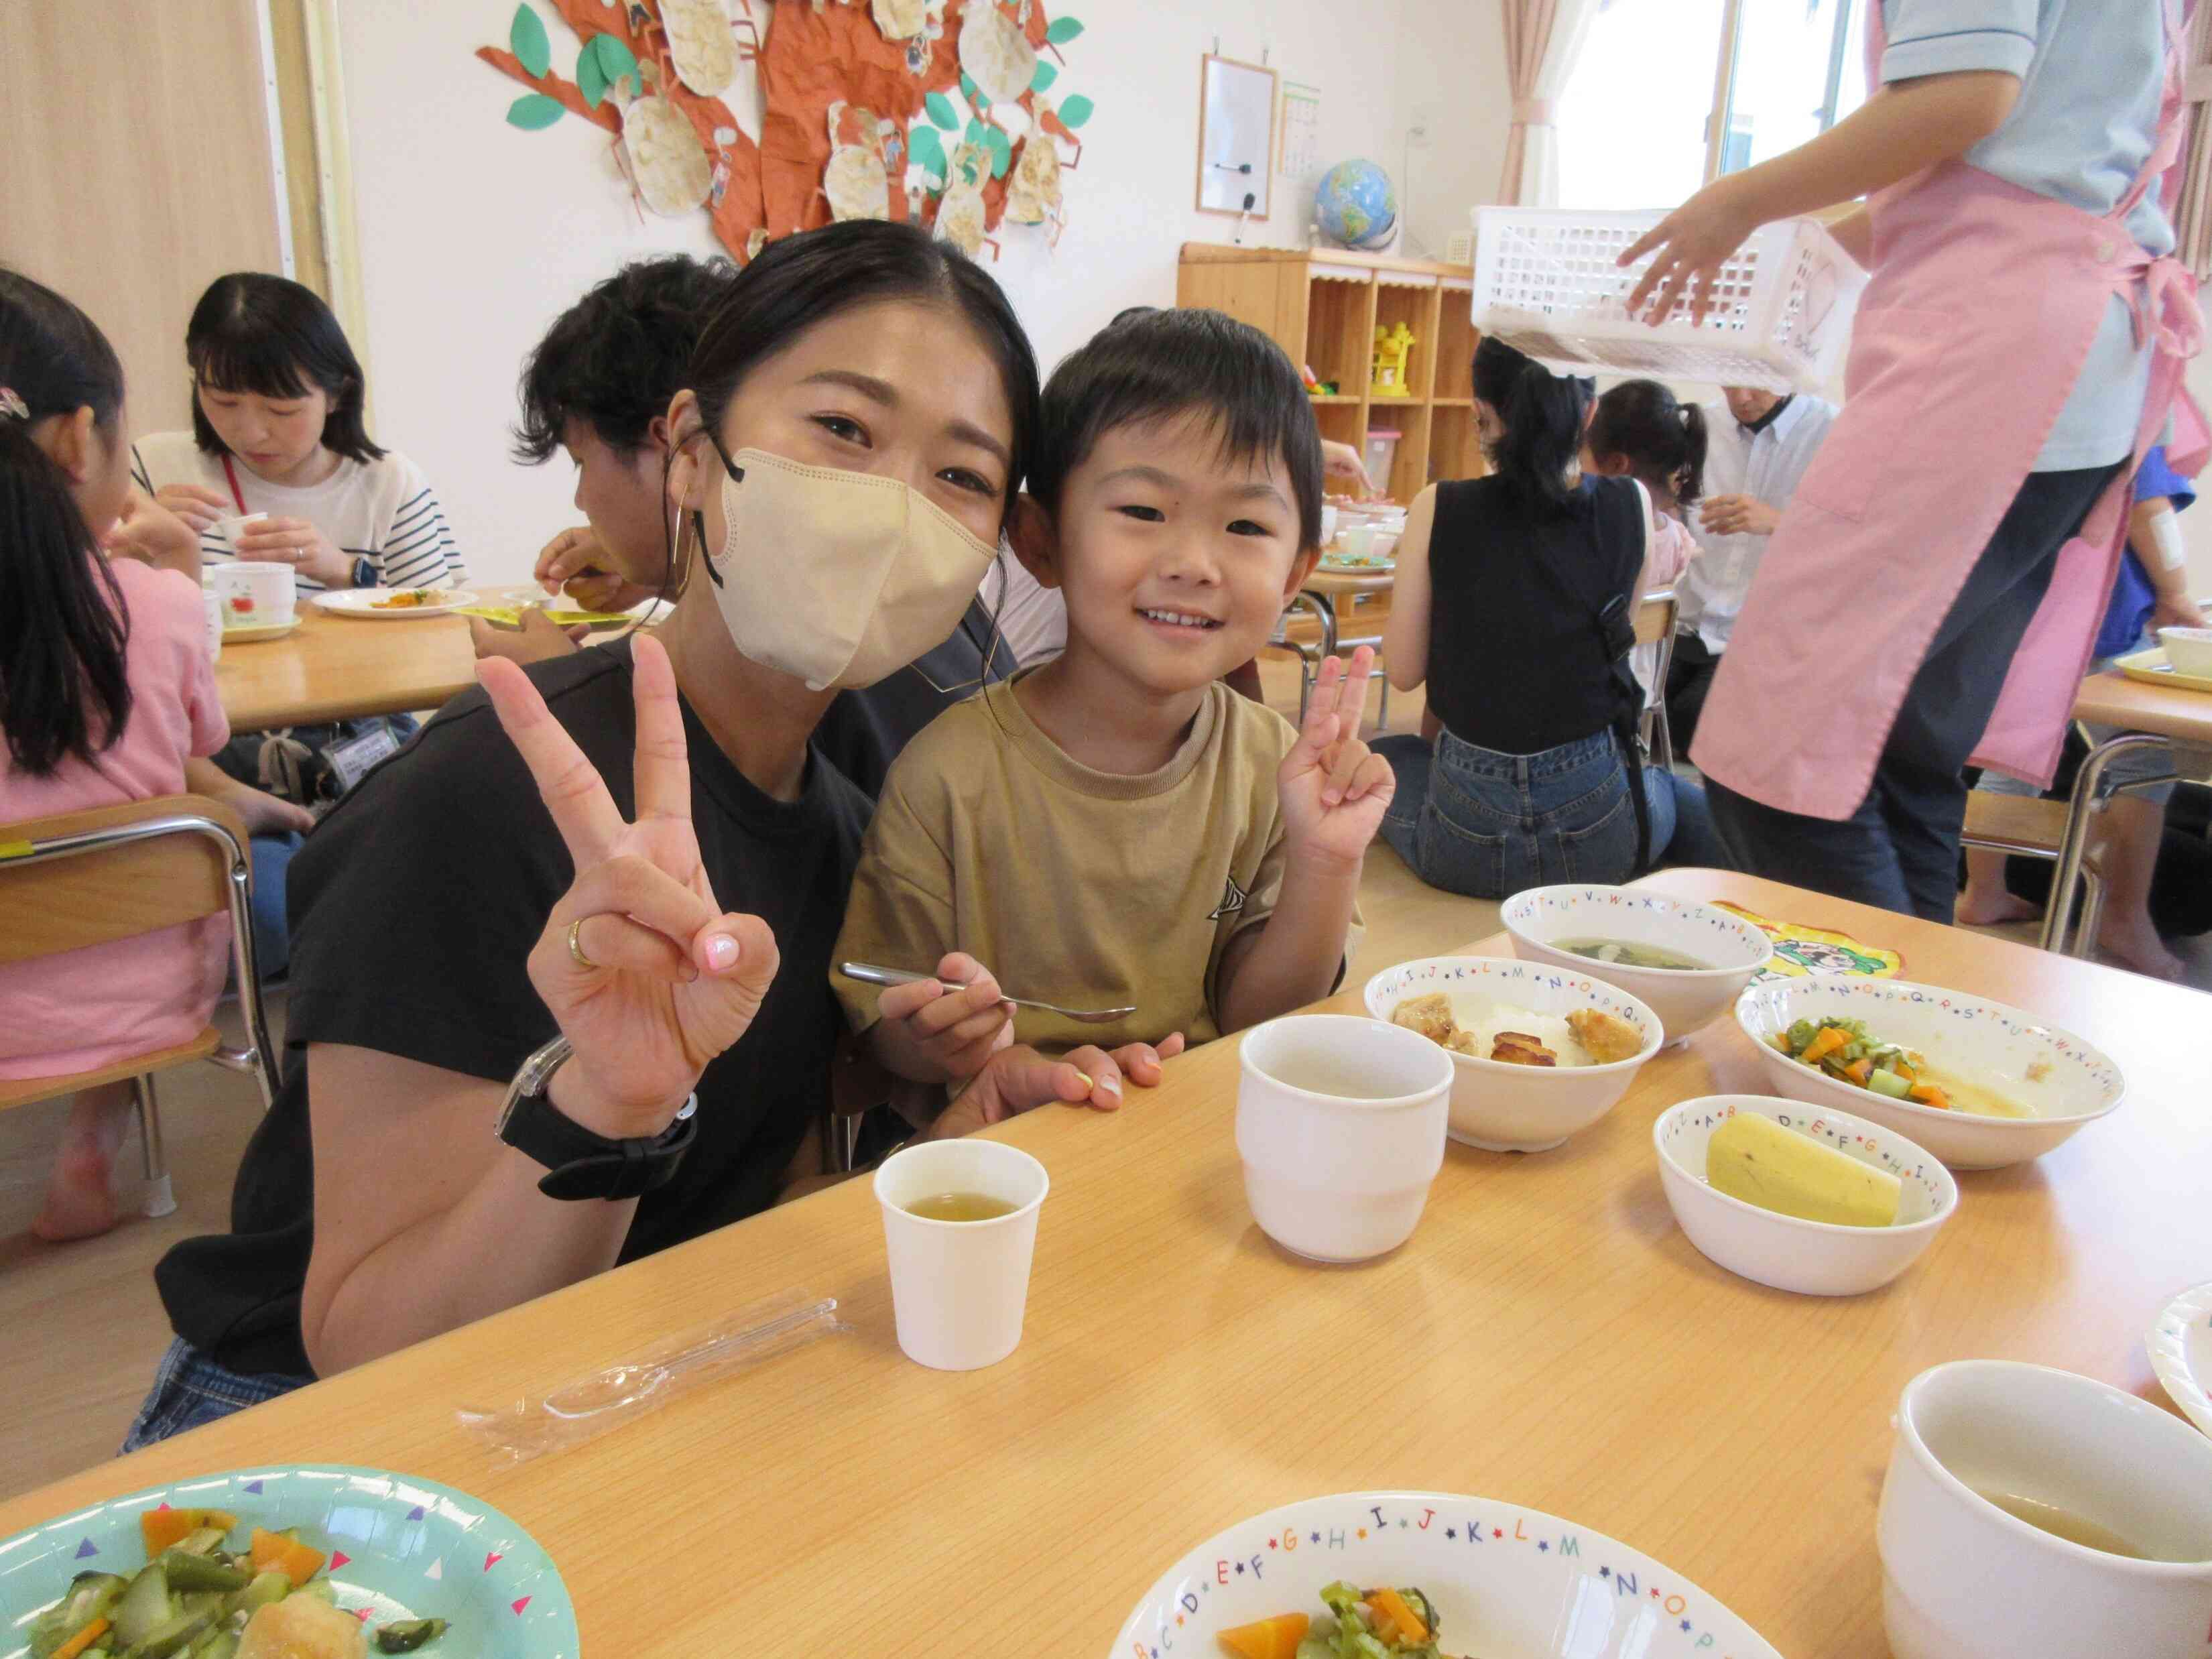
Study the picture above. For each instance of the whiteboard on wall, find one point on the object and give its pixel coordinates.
(1235, 136)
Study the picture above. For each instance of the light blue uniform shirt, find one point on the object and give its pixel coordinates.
(2092, 72)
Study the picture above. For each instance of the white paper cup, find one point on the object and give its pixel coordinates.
(1963, 1579)
(958, 1288)
(230, 524)
(212, 602)
(1333, 1177)
(256, 593)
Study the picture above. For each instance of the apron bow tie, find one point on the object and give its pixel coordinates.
(2163, 307)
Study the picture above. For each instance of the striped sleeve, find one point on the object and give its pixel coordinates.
(419, 551)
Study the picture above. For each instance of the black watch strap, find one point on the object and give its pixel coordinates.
(579, 1163)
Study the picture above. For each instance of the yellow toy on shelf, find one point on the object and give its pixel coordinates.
(1394, 349)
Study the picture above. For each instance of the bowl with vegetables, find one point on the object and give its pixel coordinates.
(1687, 961)
(1978, 1083)
(1799, 1197)
(298, 1562)
(1416, 1574)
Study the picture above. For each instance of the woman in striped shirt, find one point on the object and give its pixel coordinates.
(277, 430)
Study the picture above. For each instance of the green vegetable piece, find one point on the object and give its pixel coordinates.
(1045, 75)
(266, 1587)
(1891, 1084)
(591, 77)
(941, 112)
(1061, 30)
(1075, 112)
(527, 36)
(188, 1572)
(144, 1607)
(405, 1635)
(173, 1637)
(321, 1589)
(217, 1643)
(206, 1541)
(534, 110)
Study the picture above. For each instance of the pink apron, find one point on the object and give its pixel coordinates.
(1984, 301)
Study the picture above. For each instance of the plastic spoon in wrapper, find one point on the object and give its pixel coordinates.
(621, 1386)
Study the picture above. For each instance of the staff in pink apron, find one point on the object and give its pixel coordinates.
(1933, 591)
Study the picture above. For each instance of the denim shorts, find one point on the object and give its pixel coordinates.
(1488, 826)
(189, 1389)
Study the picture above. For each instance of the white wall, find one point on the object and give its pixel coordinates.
(2197, 523)
(475, 235)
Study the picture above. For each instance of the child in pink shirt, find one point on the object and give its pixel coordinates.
(106, 696)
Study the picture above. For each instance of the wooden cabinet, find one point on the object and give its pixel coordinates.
(1322, 307)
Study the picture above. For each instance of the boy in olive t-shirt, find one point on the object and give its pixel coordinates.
(1116, 828)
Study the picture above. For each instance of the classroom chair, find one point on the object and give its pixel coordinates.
(1655, 626)
(85, 879)
(1309, 655)
(2028, 827)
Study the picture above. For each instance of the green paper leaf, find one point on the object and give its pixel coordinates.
(1045, 75)
(1061, 30)
(616, 60)
(970, 91)
(1002, 152)
(976, 129)
(534, 110)
(591, 79)
(927, 150)
(526, 35)
(940, 111)
(1075, 112)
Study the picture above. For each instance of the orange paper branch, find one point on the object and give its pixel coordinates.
(567, 93)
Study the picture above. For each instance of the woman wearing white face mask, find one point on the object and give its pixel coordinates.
(861, 405)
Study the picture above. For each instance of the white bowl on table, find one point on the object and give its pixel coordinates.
(2188, 649)
(2062, 1080)
(1501, 1108)
(1813, 1258)
(1685, 998)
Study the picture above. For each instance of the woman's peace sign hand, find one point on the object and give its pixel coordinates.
(645, 975)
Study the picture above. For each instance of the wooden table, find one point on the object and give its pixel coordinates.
(1547, 1337)
(2147, 716)
(335, 668)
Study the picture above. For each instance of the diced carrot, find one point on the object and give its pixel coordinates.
(83, 1639)
(1270, 1638)
(272, 1550)
(162, 1528)
(1929, 1095)
(1824, 1042)
(1859, 1071)
(1393, 1607)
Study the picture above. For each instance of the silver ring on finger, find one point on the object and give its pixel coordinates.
(576, 948)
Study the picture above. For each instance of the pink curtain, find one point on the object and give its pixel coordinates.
(1542, 39)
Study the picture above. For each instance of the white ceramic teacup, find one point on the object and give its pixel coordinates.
(959, 1288)
(1341, 1126)
(231, 524)
(1964, 1579)
(256, 593)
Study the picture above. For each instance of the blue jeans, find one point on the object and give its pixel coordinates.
(1486, 824)
(272, 937)
(189, 1389)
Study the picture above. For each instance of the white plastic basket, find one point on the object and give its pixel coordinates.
(1545, 283)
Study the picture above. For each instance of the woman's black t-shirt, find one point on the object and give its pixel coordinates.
(1516, 661)
(414, 907)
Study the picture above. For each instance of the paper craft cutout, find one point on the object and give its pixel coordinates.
(666, 161)
(700, 43)
(1801, 951)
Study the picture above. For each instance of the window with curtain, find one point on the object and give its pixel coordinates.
(1668, 94)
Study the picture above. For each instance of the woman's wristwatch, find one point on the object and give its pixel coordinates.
(581, 1163)
(364, 572)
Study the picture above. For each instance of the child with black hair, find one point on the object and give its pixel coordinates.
(1639, 429)
(1117, 828)
(107, 697)
(276, 429)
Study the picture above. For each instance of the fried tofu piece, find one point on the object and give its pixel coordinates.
(300, 1627)
(1431, 1016)
(1462, 1042)
(1519, 1048)
(1606, 1036)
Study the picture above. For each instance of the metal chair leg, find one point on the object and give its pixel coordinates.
(160, 1195)
(2084, 942)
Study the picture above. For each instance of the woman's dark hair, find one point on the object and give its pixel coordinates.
(800, 281)
(614, 358)
(253, 332)
(1663, 437)
(1148, 366)
(1542, 413)
(64, 691)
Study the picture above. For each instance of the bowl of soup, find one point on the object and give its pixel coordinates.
(1978, 1084)
(1688, 962)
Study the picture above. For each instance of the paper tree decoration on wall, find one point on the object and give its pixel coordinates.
(859, 117)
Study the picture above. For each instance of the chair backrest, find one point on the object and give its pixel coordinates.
(85, 879)
(1654, 617)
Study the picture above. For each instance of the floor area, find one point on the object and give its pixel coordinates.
(85, 1328)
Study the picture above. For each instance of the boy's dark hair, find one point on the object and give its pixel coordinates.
(1663, 437)
(1155, 366)
(1543, 415)
(268, 335)
(614, 358)
(64, 688)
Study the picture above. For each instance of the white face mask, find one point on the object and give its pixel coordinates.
(837, 578)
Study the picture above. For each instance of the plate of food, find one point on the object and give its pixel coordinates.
(1688, 962)
(2181, 1353)
(303, 1561)
(395, 603)
(1414, 1575)
(2152, 668)
(1978, 1084)
(255, 634)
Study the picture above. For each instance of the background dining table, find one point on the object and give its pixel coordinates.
(1549, 1337)
(337, 668)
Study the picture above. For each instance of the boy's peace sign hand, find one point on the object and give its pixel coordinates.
(642, 970)
(1333, 789)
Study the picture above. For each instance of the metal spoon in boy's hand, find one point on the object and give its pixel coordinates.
(869, 974)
